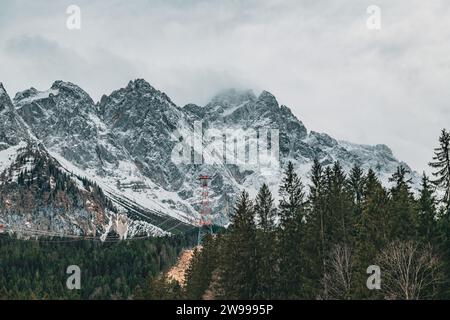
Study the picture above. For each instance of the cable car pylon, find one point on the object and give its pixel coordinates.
(205, 221)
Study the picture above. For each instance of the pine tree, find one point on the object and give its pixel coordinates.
(441, 162)
(291, 193)
(195, 288)
(372, 232)
(266, 250)
(199, 273)
(401, 179)
(291, 235)
(403, 209)
(316, 239)
(355, 184)
(238, 262)
(264, 209)
(340, 203)
(427, 211)
(337, 220)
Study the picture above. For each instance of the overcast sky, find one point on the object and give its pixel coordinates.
(319, 58)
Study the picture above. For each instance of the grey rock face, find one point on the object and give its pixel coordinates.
(142, 120)
(65, 119)
(12, 128)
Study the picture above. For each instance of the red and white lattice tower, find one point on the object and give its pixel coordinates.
(205, 222)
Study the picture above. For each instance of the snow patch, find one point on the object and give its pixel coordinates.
(38, 96)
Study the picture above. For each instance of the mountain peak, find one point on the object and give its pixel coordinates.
(69, 88)
(25, 94)
(384, 148)
(2, 88)
(58, 84)
(268, 98)
(140, 84)
(232, 97)
(142, 87)
(5, 100)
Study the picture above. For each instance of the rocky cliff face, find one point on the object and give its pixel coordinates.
(36, 195)
(12, 128)
(125, 143)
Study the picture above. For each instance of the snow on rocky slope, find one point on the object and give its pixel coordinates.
(125, 144)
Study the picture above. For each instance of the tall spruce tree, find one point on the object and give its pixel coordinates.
(403, 209)
(427, 211)
(199, 273)
(441, 165)
(355, 184)
(291, 193)
(291, 282)
(372, 232)
(238, 263)
(264, 209)
(266, 267)
(317, 236)
(340, 203)
(337, 220)
(441, 162)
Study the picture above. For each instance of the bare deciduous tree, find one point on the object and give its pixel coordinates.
(409, 271)
(338, 278)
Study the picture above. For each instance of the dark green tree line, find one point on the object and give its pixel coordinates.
(318, 242)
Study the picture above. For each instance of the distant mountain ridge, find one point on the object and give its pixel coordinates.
(123, 145)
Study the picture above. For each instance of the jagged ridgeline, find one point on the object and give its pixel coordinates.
(98, 169)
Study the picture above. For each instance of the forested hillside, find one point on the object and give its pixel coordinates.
(323, 240)
(32, 269)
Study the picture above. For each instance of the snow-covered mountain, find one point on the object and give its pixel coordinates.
(118, 153)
